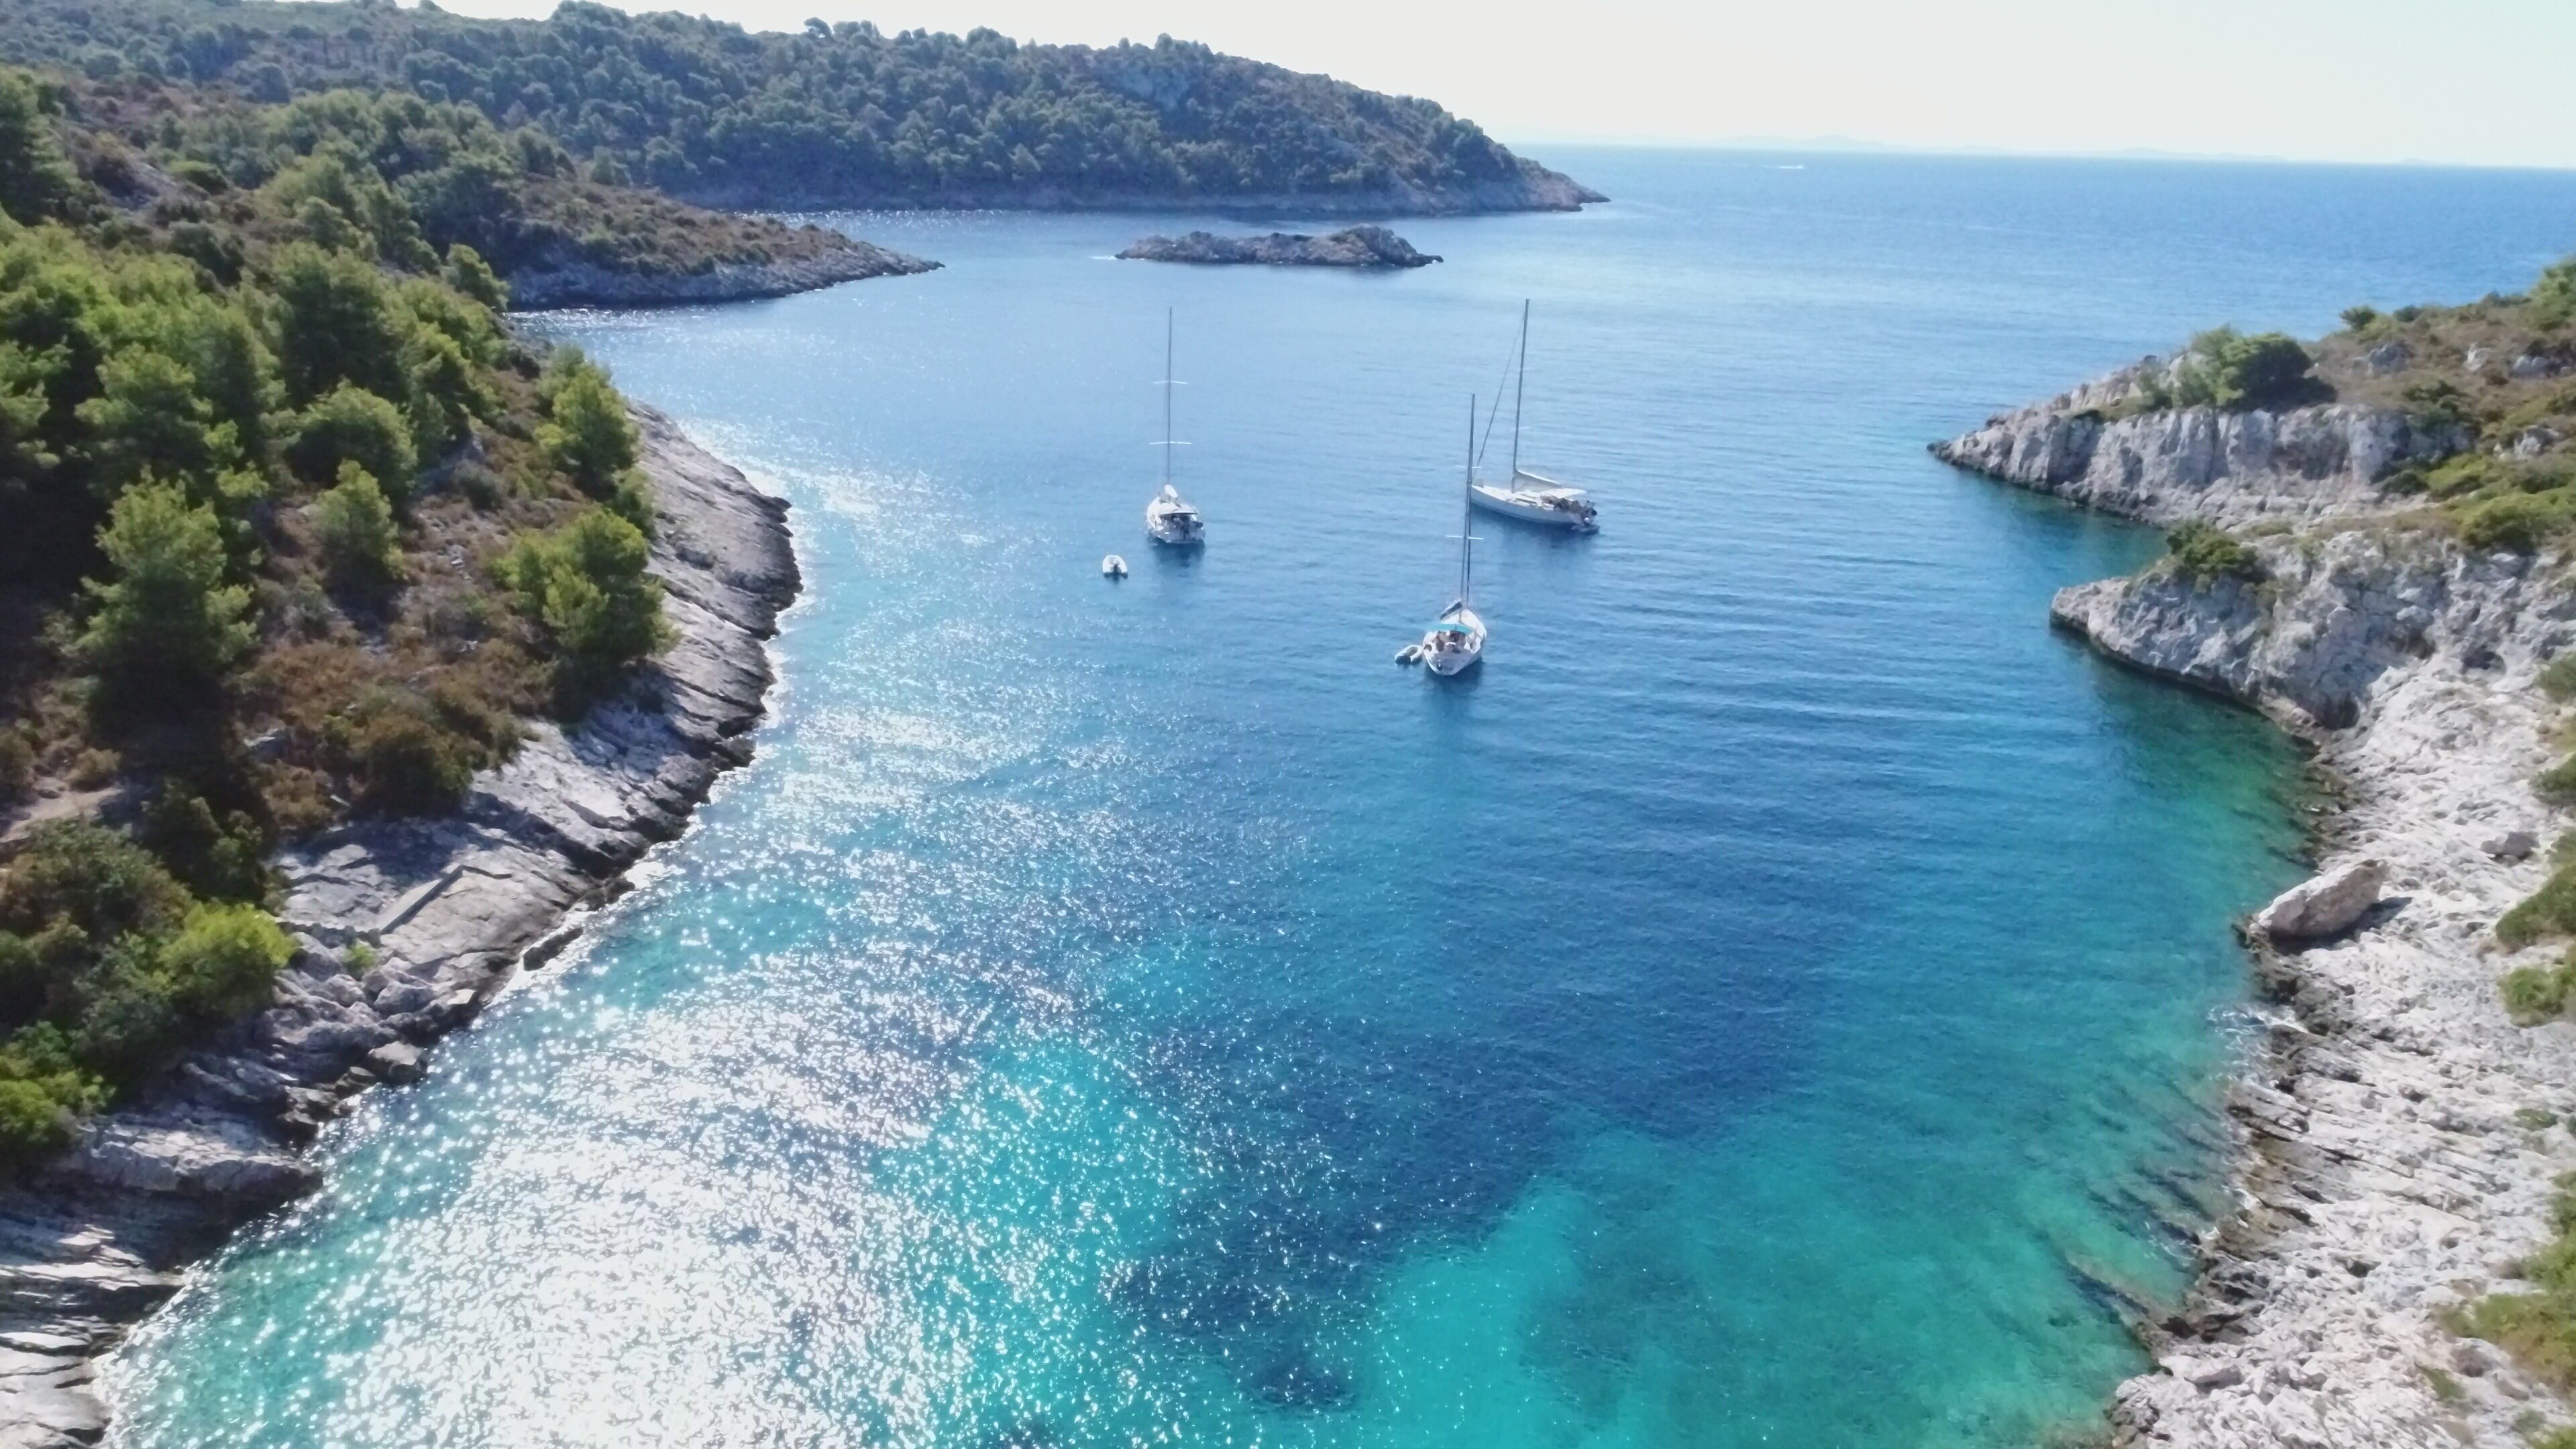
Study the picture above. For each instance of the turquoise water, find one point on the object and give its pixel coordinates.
(1783, 1001)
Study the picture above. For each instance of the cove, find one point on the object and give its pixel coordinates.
(1785, 999)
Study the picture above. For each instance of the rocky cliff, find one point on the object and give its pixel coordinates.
(446, 909)
(2172, 464)
(1359, 246)
(570, 282)
(2384, 1174)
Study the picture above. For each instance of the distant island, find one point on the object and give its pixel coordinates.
(833, 115)
(1358, 246)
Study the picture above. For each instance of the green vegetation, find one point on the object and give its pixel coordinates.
(2558, 678)
(270, 468)
(2534, 994)
(833, 115)
(108, 967)
(2538, 1328)
(2226, 369)
(2204, 554)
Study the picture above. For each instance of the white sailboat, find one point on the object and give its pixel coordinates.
(1169, 518)
(1455, 642)
(1530, 497)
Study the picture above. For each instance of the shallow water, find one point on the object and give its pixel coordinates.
(1783, 1000)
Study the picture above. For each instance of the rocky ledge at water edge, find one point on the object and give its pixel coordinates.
(447, 909)
(1359, 246)
(2388, 1167)
(570, 282)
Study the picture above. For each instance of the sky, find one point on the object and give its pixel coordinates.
(2482, 82)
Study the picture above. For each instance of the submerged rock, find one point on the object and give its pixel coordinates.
(2325, 904)
(1359, 246)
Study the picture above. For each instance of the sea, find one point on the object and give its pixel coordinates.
(1785, 997)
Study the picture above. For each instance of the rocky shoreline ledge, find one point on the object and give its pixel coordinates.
(2388, 1167)
(448, 910)
(575, 283)
(1358, 246)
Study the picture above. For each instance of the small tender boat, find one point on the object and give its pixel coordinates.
(1169, 519)
(1455, 642)
(1113, 567)
(1530, 497)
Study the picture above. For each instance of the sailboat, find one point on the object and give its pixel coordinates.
(1455, 643)
(1530, 497)
(1169, 519)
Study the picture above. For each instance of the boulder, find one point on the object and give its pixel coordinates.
(2323, 905)
(395, 1061)
(2512, 845)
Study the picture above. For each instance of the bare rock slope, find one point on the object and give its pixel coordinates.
(2384, 1173)
(448, 909)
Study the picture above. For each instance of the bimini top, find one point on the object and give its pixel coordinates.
(1450, 626)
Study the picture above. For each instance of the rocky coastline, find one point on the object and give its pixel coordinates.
(1359, 246)
(2388, 1167)
(446, 910)
(572, 282)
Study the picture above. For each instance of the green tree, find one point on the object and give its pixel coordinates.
(468, 273)
(590, 438)
(354, 525)
(334, 325)
(166, 624)
(352, 425)
(585, 585)
(35, 181)
(149, 420)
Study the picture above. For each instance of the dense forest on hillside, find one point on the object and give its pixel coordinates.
(832, 115)
(291, 528)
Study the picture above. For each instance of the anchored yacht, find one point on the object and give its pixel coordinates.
(1530, 497)
(1169, 519)
(1455, 642)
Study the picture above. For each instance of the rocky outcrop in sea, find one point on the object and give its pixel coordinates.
(570, 282)
(446, 910)
(2388, 1163)
(1359, 246)
(2213, 464)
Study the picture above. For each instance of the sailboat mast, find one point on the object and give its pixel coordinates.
(1167, 399)
(1520, 384)
(1467, 520)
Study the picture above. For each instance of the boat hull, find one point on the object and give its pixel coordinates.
(1503, 503)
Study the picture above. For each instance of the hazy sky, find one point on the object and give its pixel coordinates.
(2481, 81)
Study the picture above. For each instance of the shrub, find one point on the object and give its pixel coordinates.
(89, 877)
(352, 425)
(2553, 297)
(2550, 911)
(17, 765)
(586, 588)
(2538, 1329)
(223, 961)
(217, 858)
(354, 526)
(2224, 368)
(2534, 994)
(2359, 318)
(405, 764)
(2516, 523)
(168, 624)
(2436, 406)
(2204, 554)
(2558, 678)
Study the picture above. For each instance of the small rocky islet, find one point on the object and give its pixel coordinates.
(1358, 246)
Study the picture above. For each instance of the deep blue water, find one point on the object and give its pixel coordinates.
(1768, 1006)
